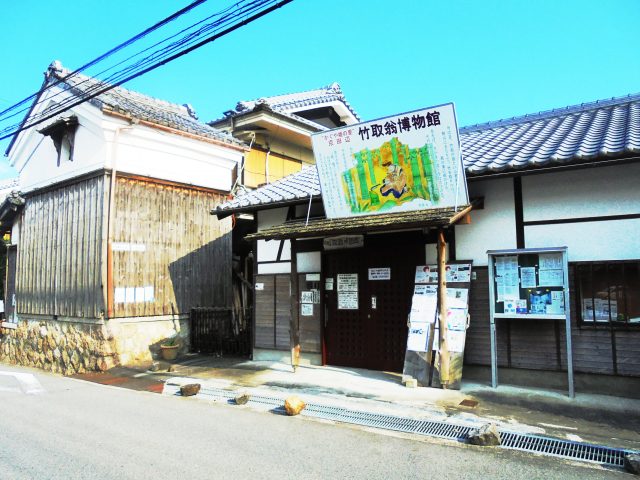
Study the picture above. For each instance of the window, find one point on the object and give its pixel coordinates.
(63, 134)
(609, 292)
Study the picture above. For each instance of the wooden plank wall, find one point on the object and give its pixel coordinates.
(540, 345)
(169, 242)
(273, 312)
(59, 251)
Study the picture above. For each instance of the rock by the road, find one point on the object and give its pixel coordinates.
(190, 389)
(294, 405)
(632, 463)
(242, 398)
(485, 436)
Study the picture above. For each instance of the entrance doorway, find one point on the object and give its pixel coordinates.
(374, 335)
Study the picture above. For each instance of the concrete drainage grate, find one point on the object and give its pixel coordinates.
(611, 457)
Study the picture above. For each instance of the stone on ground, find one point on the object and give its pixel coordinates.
(190, 389)
(632, 463)
(485, 436)
(294, 405)
(242, 398)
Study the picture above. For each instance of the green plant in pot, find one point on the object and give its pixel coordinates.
(169, 348)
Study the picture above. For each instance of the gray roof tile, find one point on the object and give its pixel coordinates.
(289, 103)
(142, 107)
(577, 134)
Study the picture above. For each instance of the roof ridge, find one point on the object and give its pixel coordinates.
(334, 86)
(555, 112)
(57, 70)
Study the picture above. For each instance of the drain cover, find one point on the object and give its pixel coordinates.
(467, 402)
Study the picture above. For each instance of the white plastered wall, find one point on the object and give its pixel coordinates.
(585, 193)
(491, 228)
(142, 150)
(268, 249)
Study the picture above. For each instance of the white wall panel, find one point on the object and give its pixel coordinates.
(589, 192)
(281, 267)
(491, 228)
(589, 241)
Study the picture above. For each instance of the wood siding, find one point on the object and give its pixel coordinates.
(255, 169)
(166, 241)
(60, 264)
(540, 345)
(273, 312)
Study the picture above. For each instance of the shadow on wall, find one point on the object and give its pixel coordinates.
(203, 278)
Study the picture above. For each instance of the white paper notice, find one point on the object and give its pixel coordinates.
(455, 340)
(347, 300)
(347, 282)
(459, 272)
(557, 304)
(425, 290)
(423, 308)
(306, 297)
(457, 297)
(418, 337)
(379, 274)
(306, 309)
(551, 278)
(528, 277)
(328, 283)
(457, 319)
(550, 261)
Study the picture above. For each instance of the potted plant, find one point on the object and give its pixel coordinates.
(169, 348)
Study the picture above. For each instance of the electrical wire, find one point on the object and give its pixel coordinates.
(107, 54)
(227, 23)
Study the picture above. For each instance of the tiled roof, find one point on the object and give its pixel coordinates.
(576, 134)
(607, 129)
(291, 102)
(293, 187)
(142, 107)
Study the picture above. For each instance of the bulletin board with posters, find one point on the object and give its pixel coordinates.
(529, 284)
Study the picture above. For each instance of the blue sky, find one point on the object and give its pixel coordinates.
(494, 59)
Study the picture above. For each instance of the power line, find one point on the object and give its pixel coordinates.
(161, 57)
(107, 54)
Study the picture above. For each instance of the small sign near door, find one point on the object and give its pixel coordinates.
(379, 274)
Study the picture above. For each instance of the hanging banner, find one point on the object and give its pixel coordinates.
(409, 161)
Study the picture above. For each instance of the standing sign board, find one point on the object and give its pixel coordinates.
(423, 337)
(529, 284)
(404, 162)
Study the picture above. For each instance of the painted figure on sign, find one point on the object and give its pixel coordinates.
(395, 182)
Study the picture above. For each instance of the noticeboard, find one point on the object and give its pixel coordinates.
(409, 161)
(529, 284)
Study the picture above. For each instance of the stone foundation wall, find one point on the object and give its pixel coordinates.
(60, 347)
(137, 340)
(72, 347)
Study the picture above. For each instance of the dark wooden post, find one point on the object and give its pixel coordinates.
(295, 309)
(442, 303)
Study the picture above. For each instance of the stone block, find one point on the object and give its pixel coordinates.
(632, 463)
(485, 436)
(190, 390)
(242, 398)
(294, 405)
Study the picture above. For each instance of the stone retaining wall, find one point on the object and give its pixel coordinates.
(71, 347)
(60, 347)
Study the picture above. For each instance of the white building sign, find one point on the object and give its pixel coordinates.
(404, 162)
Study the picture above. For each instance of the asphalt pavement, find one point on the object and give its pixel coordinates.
(63, 428)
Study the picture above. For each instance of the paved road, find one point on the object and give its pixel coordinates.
(70, 429)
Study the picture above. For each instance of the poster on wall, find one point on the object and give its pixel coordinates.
(404, 162)
(347, 291)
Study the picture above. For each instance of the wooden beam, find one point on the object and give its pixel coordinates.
(295, 308)
(442, 305)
